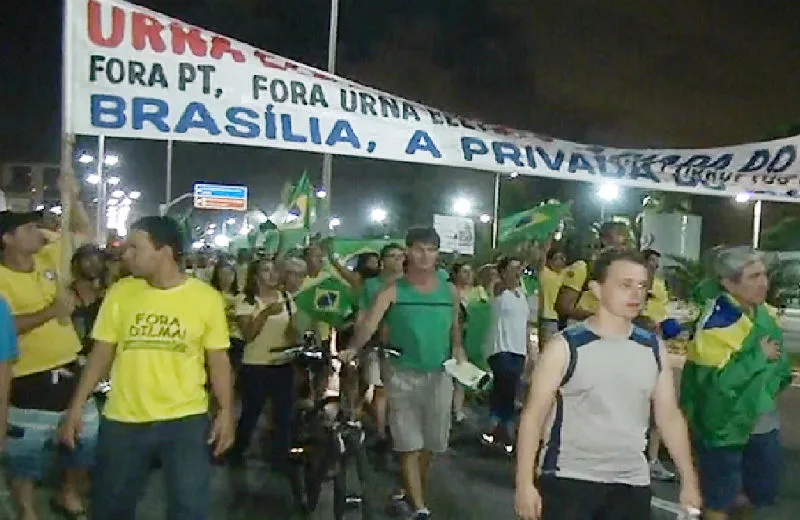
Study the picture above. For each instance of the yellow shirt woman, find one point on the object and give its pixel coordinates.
(276, 333)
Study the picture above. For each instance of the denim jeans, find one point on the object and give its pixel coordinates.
(259, 383)
(507, 370)
(126, 453)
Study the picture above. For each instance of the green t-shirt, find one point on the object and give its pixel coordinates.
(420, 325)
(369, 291)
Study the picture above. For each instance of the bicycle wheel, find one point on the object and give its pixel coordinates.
(365, 480)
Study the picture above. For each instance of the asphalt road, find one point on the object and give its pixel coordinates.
(467, 483)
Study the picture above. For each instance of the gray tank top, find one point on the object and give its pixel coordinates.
(598, 427)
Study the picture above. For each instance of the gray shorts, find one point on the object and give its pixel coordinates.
(372, 370)
(420, 405)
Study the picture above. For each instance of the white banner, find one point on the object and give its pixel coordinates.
(139, 74)
(457, 234)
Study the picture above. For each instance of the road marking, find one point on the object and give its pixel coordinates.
(666, 505)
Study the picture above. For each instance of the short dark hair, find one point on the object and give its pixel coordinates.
(421, 235)
(647, 254)
(164, 232)
(553, 251)
(609, 256)
(390, 247)
(504, 262)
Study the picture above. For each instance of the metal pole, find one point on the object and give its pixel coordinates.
(101, 189)
(495, 210)
(327, 160)
(756, 223)
(169, 172)
(602, 211)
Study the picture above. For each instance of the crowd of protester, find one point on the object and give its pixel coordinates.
(193, 347)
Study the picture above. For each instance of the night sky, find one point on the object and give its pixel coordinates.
(618, 72)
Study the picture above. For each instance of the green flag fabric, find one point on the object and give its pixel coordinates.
(330, 301)
(535, 224)
(479, 319)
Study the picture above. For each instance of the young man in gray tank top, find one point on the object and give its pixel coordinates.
(591, 396)
(420, 311)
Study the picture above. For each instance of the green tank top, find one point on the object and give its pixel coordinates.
(420, 324)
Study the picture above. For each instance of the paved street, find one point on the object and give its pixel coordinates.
(468, 483)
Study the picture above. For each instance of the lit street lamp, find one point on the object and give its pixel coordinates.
(321, 193)
(462, 206)
(485, 218)
(334, 223)
(378, 215)
(607, 192)
(135, 195)
(113, 180)
(117, 194)
(93, 178)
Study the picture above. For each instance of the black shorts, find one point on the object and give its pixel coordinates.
(569, 499)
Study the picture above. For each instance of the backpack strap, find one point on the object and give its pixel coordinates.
(576, 337)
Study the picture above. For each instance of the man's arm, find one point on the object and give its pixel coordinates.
(547, 376)
(97, 367)
(567, 304)
(366, 328)
(671, 423)
(220, 375)
(27, 322)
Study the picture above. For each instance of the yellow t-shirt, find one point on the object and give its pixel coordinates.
(161, 338)
(549, 285)
(574, 277)
(232, 301)
(52, 344)
(656, 306)
(261, 351)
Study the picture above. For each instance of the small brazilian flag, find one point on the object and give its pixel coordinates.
(329, 300)
(533, 224)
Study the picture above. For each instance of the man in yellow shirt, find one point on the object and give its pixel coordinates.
(655, 308)
(549, 285)
(575, 302)
(156, 332)
(46, 370)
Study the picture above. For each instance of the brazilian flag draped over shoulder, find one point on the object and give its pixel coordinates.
(535, 224)
(727, 382)
(329, 300)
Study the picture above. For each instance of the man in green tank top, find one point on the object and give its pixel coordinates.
(420, 311)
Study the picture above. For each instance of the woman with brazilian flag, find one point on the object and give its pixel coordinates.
(735, 369)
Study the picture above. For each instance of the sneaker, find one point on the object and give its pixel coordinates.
(423, 514)
(487, 439)
(659, 472)
(509, 449)
(399, 505)
(459, 417)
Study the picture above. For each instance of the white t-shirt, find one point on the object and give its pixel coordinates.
(508, 331)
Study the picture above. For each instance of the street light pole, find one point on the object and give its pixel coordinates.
(495, 210)
(756, 224)
(169, 172)
(101, 189)
(327, 159)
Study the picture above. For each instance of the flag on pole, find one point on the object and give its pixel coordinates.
(533, 224)
(329, 300)
(299, 206)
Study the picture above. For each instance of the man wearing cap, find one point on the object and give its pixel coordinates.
(45, 371)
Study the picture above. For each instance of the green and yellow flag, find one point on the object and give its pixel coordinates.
(329, 301)
(535, 224)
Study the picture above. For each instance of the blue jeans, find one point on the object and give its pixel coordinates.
(507, 370)
(126, 453)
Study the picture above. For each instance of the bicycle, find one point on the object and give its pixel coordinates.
(328, 437)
